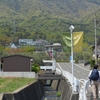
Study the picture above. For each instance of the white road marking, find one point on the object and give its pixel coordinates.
(82, 67)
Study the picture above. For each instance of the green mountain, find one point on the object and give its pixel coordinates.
(64, 8)
(47, 16)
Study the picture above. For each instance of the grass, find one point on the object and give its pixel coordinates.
(10, 84)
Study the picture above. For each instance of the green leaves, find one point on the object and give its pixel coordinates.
(35, 68)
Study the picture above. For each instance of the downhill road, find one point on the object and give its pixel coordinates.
(80, 72)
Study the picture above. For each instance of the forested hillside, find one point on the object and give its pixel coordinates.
(47, 19)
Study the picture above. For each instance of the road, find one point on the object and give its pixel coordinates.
(79, 71)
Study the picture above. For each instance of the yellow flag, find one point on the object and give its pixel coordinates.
(77, 41)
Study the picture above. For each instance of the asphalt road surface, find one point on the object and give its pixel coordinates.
(80, 71)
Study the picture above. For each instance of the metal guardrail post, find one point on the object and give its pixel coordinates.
(76, 85)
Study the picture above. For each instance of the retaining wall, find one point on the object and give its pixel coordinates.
(35, 91)
(65, 88)
(31, 92)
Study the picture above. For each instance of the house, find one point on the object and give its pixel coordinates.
(41, 42)
(26, 41)
(56, 47)
(13, 46)
(16, 63)
(38, 42)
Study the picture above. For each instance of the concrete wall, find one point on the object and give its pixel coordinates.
(35, 91)
(65, 88)
(32, 92)
(18, 74)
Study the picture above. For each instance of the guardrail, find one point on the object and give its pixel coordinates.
(69, 77)
(47, 67)
(52, 67)
(82, 94)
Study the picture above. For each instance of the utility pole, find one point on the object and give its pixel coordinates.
(95, 39)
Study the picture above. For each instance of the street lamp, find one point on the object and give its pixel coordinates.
(71, 31)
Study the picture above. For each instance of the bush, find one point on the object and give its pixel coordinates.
(76, 60)
(58, 93)
(35, 68)
(92, 63)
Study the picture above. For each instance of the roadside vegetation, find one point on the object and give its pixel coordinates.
(10, 84)
(59, 57)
